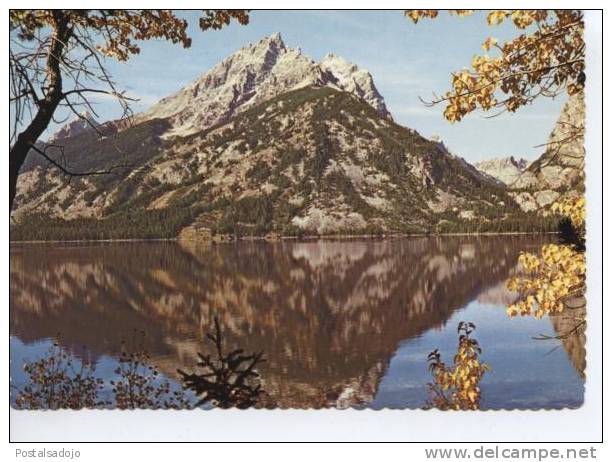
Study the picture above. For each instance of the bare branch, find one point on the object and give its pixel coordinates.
(66, 170)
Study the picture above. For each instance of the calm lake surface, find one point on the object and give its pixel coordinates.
(340, 323)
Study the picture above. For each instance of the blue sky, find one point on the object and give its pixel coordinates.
(406, 61)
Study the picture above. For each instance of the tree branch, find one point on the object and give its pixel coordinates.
(69, 172)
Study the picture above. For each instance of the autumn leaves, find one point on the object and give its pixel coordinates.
(556, 276)
(457, 387)
(546, 60)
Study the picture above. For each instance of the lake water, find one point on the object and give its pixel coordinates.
(340, 323)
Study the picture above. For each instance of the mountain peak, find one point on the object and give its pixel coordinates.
(254, 74)
(313, 160)
(80, 123)
(355, 80)
(504, 169)
(332, 58)
(273, 42)
(277, 38)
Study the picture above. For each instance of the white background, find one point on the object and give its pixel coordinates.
(584, 424)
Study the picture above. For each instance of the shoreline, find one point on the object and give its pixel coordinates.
(327, 237)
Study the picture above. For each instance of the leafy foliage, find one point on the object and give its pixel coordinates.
(545, 60)
(457, 387)
(58, 60)
(60, 381)
(138, 385)
(556, 276)
(119, 30)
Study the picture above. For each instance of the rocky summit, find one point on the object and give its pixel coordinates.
(81, 123)
(559, 171)
(255, 74)
(268, 142)
(505, 169)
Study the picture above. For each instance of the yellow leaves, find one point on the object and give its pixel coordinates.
(462, 13)
(216, 19)
(415, 15)
(539, 313)
(546, 59)
(496, 17)
(117, 30)
(457, 387)
(548, 280)
(452, 114)
(573, 208)
(529, 261)
(574, 88)
(522, 18)
(473, 88)
(525, 18)
(463, 81)
(489, 43)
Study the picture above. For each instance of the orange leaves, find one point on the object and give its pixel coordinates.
(473, 89)
(548, 280)
(415, 15)
(119, 30)
(496, 17)
(574, 209)
(525, 18)
(551, 279)
(544, 61)
(216, 19)
(489, 43)
(462, 13)
(457, 387)
(521, 18)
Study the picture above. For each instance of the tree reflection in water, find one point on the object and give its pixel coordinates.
(229, 380)
(61, 380)
(329, 315)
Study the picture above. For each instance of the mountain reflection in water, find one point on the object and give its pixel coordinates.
(328, 315)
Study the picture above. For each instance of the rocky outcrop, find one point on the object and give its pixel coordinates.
(268, 142)
(314, 161)
(559, 171)
(349, 77)
(505, 169)
(85, 121)
(571, 329)
(255, 74)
